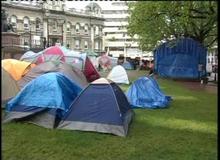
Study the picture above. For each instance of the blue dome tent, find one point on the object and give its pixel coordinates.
(101, 107)
(128, 65)
(43, 100)
(145, 93)
(185, 60)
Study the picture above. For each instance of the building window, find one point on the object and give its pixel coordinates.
(26, 23)
(26, 42)
(77, 28)
(14, 21)
(38, 24)
(96, 30)
(96, 45)
(86, 44)
(77, 44)
(68, 27)
(86, 28)
(55, 26)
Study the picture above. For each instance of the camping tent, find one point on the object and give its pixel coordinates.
(145, 93)
(104, 61)
(30, 56)
(74, 58)
(114, 61)
(82, 61)
(118, 75)
(128, 65)
(54, 66)
(51, 53)
(16, 68)
(101, 107)
(9, 86)
(90, 71)
(184, 59)
(43, 101)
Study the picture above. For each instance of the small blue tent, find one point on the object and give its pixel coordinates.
(145, 93)
(186, 59)
(43, 100)
(101, 107)
(128, 65)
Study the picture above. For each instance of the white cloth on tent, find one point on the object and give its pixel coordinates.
(118, 75)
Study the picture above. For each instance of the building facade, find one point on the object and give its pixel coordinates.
(116, 40)
(43, 24)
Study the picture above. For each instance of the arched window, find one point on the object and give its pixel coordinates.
(26, 22)
(86, 28)
(37, 24)
(68, 27)
(77, 27)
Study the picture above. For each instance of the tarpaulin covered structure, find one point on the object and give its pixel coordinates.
(55, 66)
(43, 101)
(101, 107)
(145, 93)
(186, 59)
(16, 68)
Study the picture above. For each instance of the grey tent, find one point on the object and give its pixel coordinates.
(55, 66)
(9, 86)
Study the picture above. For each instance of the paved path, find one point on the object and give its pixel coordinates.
(210, 87)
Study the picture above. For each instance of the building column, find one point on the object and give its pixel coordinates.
(92, 37)
(64, 34)
(45, 33)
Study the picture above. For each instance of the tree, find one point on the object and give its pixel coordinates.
(160, 21)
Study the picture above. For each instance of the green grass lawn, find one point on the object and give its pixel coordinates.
(187, 130)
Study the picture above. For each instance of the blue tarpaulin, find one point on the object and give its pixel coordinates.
(145, 93)
(186, 59)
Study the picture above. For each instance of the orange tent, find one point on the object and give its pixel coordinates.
(16, 68)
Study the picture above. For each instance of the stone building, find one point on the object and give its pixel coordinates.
(43, 24)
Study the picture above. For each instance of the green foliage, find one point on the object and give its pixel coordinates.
(187, 130)
(154, 21)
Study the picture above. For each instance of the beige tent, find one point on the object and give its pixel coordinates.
(9, 86)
